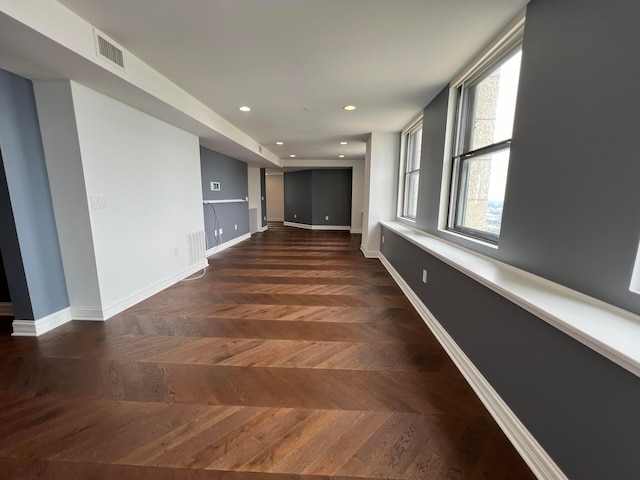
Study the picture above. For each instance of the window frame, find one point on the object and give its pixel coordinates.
(403, 174)
(501, 49)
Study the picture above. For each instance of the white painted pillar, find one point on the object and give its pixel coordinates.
(380, 187)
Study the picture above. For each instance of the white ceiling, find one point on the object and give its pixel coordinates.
(298, 62)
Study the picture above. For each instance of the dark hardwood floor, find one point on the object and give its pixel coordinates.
(293, 358)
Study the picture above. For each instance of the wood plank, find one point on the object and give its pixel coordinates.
(294, 358)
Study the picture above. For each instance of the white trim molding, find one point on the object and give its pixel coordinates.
(93, 314)
(97, 314)
(6, 309)
(225, 245)
(34, 328)
(369, 253)
(355, 230)
(317, 227)
(538, 460)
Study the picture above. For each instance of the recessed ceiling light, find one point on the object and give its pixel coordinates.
(292, 156)
(279, 143)
(348, 108)
(341, 156)
(244, 108)
(343, 143)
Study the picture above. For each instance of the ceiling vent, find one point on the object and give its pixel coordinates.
(108, 50)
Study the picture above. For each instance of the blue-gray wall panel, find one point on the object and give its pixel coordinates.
(297, 197)
(5, 296)
(231, 173)
(331, 197)
(34, 267)
(263, 196)
(225, 216)
(571, 209)
(571, 206)
(313, 195)
(580, 406)
(434, 122)
(233, 177)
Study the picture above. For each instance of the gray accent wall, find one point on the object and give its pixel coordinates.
(571, 215)
(263, 196)
(297, 197)
(571, 206)
(331, 197)
(29, 240)
(581, 407)
(5, 296)
(233, 217)
(310, 196)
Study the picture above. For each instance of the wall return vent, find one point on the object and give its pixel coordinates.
(196, 247)
(108, 50)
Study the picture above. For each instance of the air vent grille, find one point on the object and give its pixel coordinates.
(196, 247)
(109, 51)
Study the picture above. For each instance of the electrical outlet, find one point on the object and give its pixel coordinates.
(235, 226)
(326, 217)
(424, 276)
(176, 252)
(295, 216)
(220, 231)
(215, 233)
(382, 238)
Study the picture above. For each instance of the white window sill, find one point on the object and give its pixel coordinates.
(609, 330)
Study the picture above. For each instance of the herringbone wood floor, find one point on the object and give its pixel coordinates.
(293, 358)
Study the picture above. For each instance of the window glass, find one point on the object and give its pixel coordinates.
(411, 178)
(486, 110)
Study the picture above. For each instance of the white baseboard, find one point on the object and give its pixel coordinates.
(263, 229)
(33, 328)
(369, 253)
(225, 245)
(275, 219)
(94, 314)
(97, 314)
(131, 300)
(6, 309)
(317, 227)
(356, 230)
(541, 464)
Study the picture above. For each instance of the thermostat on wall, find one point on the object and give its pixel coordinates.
(215, 186)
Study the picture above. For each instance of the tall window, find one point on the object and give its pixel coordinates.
(485, 112)
(412, 145)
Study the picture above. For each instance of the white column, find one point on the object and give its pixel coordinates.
(380, 187)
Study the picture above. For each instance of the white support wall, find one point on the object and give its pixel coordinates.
(381, 165)
(145, 172)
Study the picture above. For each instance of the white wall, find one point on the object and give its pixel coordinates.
(69, 196)
(147, 171)
(275, 197)
(383, 150)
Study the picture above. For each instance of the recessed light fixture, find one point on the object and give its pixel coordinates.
(343, 143)
(244, 108)
(341, 156)
(292, 156)
(279, 143)
(348, 108)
